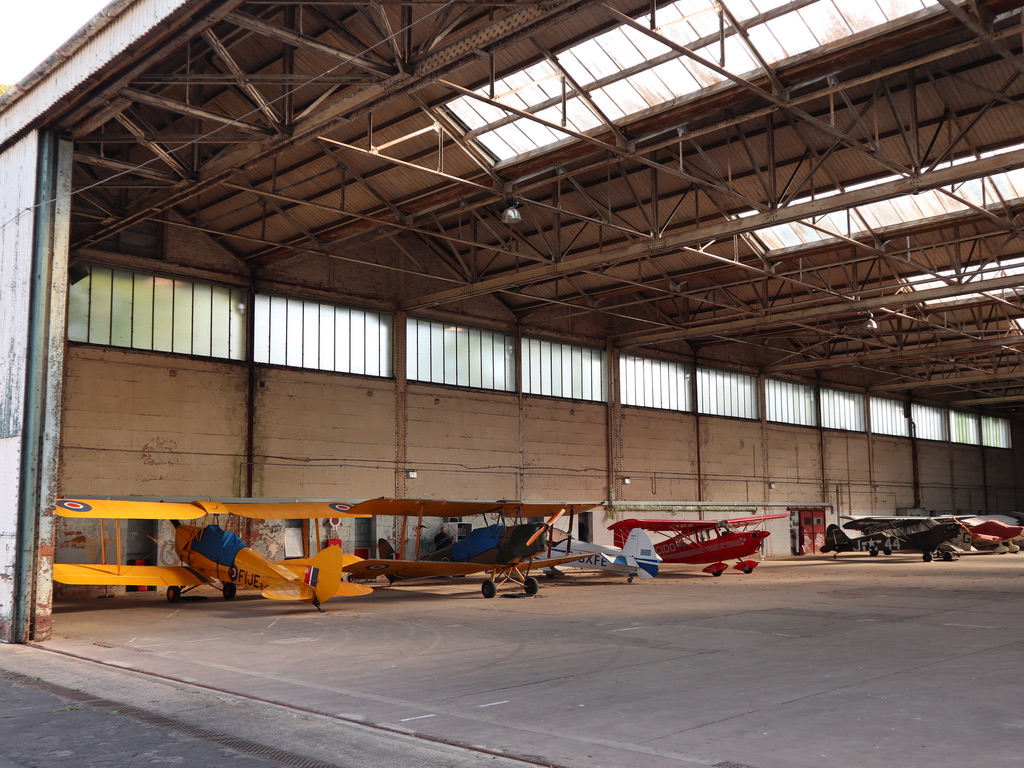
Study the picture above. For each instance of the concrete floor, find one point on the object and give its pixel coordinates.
(806, 662)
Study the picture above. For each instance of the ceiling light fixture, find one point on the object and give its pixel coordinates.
(871, 325)
(511, 213)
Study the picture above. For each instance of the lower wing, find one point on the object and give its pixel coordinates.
(413, 569)
(129, 575)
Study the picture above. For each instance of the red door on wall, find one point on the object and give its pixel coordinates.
(811, 529)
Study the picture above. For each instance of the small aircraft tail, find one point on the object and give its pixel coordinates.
(318, 578)
(639, 546)
(836, 540)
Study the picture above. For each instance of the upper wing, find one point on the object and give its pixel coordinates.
(128, 510)
(678, 526)
(445, 508)
(689, 526)
(282, 510)
(870, 525)
(755, 518)
(113, 575)
(179, 510)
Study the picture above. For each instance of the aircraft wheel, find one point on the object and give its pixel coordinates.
(716, 574)
(887, 551)
(173, 594)
(927, 557)
(230, 590)
(629, 580)
(873, 552)
(748, 570)
(947, 556)
(531, 586)
(489, 588)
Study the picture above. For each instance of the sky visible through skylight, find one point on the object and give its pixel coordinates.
(625, 71)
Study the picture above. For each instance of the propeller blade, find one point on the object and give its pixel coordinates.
(545, 528)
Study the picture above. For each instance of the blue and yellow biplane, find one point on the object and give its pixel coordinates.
(211, 555)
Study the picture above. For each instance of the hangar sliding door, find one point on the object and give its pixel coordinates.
(34, 216)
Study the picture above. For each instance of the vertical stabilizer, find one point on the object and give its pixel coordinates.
(640, 547)
(836, 540)
(323, 573)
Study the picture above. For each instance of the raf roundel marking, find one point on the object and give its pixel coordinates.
(340, 507)
(233, 573)
(377, 567)
(75, 506)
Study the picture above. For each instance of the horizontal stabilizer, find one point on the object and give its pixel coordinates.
(289, 590)
(348, 589)
(128, 575)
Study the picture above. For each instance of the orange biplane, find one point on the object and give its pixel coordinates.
(703, 541)
(508, 549)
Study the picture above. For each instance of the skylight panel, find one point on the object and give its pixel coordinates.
(581, 117)
(792, 34)
(688, 26)
(788, 235)
(651, 89)
(584, 68)
(1007, 268)
(766, 43)
(674, 72)
(609, 58)
(742, 9)
(605, 100)
(825, 21)
(863, 15)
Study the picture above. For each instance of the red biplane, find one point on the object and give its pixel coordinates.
(703, 541)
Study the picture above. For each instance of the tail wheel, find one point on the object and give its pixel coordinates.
(531, 585)
(173, 594)
(230, 590)
(489, 588)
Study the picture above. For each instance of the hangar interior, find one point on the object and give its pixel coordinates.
(674, 256)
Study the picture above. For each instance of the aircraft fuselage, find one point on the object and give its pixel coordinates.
(687, 549)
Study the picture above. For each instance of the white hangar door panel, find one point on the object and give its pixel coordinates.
(34, 215)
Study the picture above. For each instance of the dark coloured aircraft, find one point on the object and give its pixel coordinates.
(884, 534)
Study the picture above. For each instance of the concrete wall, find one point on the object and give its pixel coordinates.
(147, 424)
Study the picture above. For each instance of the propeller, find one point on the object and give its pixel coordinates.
(545, 528)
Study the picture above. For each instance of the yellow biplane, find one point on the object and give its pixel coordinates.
(507, 550)
(211, 555)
